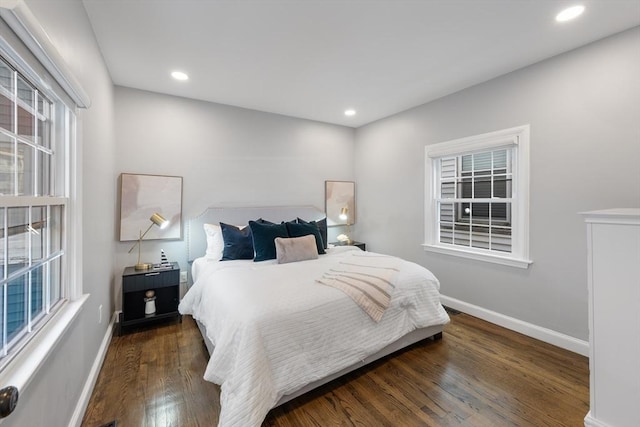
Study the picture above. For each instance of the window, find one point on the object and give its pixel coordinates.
(477, 192)
(40, 215)
(32, 207)
(475, 200)
(40, 257)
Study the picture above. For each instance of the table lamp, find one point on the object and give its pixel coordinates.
(156, 219)
(344, 215)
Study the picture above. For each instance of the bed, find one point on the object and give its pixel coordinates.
(274, 331)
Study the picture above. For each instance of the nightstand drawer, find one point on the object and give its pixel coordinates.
(150, 280)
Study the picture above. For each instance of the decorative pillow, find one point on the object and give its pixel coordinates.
(264, 221)
(238, 243)
(322, 226)
(299, 230)
(215, 242)
(296, 249)
(263, 239)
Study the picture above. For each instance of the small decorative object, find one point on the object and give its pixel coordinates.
(164, 262)
(150, 303)
(342, 238)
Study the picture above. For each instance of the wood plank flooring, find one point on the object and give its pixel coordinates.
(479, 374)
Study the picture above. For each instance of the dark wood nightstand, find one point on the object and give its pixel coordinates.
(165, 282)
(361, 245)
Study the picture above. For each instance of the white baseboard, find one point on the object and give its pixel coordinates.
(538, 332)
(589, 421)
(83, 401)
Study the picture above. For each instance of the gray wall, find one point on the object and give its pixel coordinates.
(584, 110)
(227, 156)
(52, 396)
(585, 148)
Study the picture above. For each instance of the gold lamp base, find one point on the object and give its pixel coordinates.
(143, 266)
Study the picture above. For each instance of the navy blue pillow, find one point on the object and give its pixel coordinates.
(264, 236)
(238, 244)
(263, 221)
(322, 226)
(299, 230)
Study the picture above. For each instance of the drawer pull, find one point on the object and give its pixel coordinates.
(152, 274)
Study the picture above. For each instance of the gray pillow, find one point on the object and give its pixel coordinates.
(295, 249)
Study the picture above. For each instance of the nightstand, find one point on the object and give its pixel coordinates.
(361, 245)
(164, 282)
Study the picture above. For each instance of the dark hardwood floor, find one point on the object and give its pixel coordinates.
(479, 374)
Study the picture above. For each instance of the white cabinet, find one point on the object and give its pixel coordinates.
(613, 239)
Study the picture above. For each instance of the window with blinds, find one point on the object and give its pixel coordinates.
(32, 206)
(477, 197)
(474, 203)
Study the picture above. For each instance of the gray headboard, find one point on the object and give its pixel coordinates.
(197, 241)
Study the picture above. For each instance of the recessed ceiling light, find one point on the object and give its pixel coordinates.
(179, 75)
(570, 13)
(350, 112)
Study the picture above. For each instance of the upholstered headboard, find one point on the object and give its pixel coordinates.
(197, 241)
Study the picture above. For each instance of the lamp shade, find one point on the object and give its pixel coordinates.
(159, 220)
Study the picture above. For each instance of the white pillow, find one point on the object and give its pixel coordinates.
(215, 243)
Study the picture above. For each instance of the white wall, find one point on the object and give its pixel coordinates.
(227, 156)
(51, 398)
(584, 110)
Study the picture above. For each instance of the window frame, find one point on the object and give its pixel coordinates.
(26, 47)
(516, 139)
(54, 194)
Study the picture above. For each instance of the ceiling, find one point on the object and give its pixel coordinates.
(314, 59)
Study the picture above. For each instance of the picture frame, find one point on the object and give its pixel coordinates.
(143, 195)
(339, 195)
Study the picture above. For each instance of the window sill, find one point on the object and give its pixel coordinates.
(478, 256)
(23, 368)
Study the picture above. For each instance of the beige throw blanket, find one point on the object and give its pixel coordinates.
(368, 280)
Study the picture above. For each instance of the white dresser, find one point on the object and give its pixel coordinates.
(613, 239)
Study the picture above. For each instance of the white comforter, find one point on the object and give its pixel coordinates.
(275, 329)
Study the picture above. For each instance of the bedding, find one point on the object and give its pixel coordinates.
(238, 242)
(264, 233)
(322, 226)
(296, 229)
(296, 249)
(276, 329)
(215, 242)
(368, 280)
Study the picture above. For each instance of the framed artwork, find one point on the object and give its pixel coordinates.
(143, 195)
(340, 202)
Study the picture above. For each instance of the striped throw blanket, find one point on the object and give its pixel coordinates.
(367, 279)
